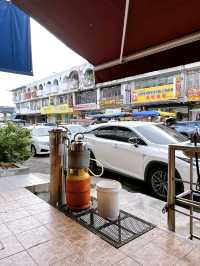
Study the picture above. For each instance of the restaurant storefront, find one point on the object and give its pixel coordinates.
(111, 97)
(164, 93)
(57, 113)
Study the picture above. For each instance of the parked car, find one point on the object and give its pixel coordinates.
(73, 129)
(40, 140)
(186, 128)
(19, 122)
(2, 124)
(139, 150)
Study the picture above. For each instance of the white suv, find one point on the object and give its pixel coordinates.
(139, 150)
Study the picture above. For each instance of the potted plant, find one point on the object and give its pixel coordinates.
(14, 147)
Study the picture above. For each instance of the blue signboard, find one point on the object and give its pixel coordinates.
(15, 40)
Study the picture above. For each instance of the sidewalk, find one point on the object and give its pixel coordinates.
(34, 233)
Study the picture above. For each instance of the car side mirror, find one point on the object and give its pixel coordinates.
(134, 140)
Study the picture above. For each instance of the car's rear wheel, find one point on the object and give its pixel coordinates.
(33, 151)
(158, 182)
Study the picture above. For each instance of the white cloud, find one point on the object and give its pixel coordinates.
(49, 55)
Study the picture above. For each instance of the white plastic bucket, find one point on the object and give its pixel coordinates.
(108, 199)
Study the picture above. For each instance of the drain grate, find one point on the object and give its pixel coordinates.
(118, 233)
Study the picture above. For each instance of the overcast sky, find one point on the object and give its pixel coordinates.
(49, 55)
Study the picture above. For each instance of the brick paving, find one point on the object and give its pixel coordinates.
(34, 233)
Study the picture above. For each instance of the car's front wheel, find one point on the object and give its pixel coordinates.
(158, 182)
(33, 151)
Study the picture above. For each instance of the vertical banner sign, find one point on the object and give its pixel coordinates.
(193, 86)
(15, 40)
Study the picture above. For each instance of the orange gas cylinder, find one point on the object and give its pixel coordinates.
(78, 189)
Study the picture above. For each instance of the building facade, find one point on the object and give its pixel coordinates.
(175, 90)
(73, 94)
(57, 97)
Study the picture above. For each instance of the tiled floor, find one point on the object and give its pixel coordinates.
(34, 233)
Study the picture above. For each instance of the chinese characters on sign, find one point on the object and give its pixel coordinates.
(110, 102)
(154, 94)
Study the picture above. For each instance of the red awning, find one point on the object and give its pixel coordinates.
(123, 37)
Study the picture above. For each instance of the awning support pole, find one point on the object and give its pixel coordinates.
(124, 30)
(152, 50)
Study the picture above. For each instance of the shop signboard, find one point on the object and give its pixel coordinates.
(86, 106)
(193, 94)
(56, 109)
(193, 85)
(154, 94)
(25, 111)
(111, 102)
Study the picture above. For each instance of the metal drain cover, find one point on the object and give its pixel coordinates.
(117, 233)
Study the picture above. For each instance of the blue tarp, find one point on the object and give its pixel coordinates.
(114, 115)
(145, 113)
(15, 40)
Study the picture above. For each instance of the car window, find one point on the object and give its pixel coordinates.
(124, 134)
(160, 134)
(105, 132)
(116, 133)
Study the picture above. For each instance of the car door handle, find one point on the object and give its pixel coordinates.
(115, 146)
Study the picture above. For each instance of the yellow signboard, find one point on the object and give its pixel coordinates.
(167, 114)
(154, 94)
(56, 109)
(109, 102)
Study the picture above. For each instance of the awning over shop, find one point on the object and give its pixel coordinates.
(145, 114)
(97, 116)
(56, 109)
(123, 37)
(15, 40)
(111, 115)
(153, 113)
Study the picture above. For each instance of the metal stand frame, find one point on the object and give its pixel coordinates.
(124, 229)
(174, 199)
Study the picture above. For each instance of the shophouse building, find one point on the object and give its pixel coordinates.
(73, 94)
(58, 97)
(174, 90)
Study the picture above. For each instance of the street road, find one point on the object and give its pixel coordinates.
(41, 164)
